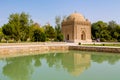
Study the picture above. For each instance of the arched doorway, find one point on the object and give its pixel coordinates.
(83, 36)
(68, 37)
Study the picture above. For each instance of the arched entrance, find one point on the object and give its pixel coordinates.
(83, 36)
(68, 37)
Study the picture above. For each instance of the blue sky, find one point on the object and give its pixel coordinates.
(44, 11)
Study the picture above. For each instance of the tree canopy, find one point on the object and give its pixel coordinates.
(59, 35)
(106, 31)
(21, 27)
(17, 26)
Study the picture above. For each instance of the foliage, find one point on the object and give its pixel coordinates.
(33, 27)
(1, 34)
(49, 31)
(39, 35)
(97, 28)
(100, 58)
(21, 28)
(7, 31)
(17, 27)
(59, 35)
(106, 32)
(114, 28)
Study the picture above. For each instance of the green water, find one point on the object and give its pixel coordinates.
(72, 65)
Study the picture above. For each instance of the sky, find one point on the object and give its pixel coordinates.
(45, 11)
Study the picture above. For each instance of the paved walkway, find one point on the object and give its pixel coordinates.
(18, 45)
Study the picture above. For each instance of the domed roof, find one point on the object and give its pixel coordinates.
(76, 17)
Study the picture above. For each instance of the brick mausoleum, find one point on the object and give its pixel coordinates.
(76, 28)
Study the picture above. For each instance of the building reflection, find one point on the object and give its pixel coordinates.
(22, 68)
(76, 64)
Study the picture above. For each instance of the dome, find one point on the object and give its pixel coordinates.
(76, 17)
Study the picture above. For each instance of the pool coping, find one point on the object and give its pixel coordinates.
(29, 49)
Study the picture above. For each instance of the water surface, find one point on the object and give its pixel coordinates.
(72, 65)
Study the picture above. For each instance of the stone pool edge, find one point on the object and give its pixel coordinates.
(24, 49)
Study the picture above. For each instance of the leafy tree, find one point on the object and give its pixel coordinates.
(33, 27)
(99, 30)
(105, 35)
(25, 23)
(1, 34)
(49, 31)
(7, 31)
(18, 26)
(14, 24)
(106, 32)
(113, 27)
(59, 35)
(39, 35)
(118, 32)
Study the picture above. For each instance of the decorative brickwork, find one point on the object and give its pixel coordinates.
(76, 28)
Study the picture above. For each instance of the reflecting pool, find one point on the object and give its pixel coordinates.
(70, 65)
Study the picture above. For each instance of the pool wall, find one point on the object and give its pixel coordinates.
(96, 48)
(21, 49)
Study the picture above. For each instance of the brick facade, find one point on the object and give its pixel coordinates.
(76, 28)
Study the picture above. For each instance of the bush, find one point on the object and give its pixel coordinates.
(59, 38)
(38, 35)
(43, 37)
(102, 39)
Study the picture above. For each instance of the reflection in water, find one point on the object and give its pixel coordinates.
(75, 63)
(37, 62)
(111, 58)
(54, 59)
(18, 68)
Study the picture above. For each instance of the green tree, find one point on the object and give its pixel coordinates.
(58, 24)
(39, 35)
(14, 23)
(24, 26)
(118, 32)
(50, 32)
(105, 35)
(1, 34)
(18, 26)
(106, 32)
(114, 28)
(7, 30)
(59, 35)
(33, 27)
(99, 30)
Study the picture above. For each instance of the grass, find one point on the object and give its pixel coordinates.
(103, 44)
